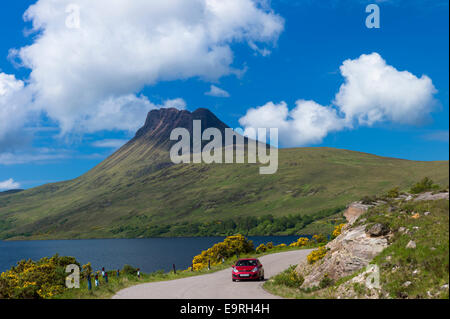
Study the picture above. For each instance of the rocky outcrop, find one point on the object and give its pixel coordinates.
(354, 210)
(431, 196)
(349, 252)
(352, 250)
(358, 244)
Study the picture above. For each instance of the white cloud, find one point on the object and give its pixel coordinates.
(374, 91)
(307, 123)
(9, 184)
(86, 78)
(127, 112)
(109, 143)
(217, 92)
(14, 110)
(35, 155)
(177, 103)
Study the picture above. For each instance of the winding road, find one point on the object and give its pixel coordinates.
(217, 285)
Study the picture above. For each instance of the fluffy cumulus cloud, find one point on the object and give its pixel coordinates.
(8, 184)
(372, 92)
(217, 92)
(89, 59)
(307, 123)
(14, 110)
(125, 113)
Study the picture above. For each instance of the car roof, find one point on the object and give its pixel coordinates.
(248, 259)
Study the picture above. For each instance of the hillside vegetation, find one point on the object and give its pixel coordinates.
(413, 264)
(129, 197)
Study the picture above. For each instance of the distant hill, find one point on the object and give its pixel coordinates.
(138, 187)
(11, 191)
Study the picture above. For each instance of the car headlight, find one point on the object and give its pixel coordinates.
(235, 270)
(255, 269)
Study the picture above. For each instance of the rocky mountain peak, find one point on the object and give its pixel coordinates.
(160, 123)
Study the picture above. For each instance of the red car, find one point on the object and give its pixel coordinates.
(247, 269)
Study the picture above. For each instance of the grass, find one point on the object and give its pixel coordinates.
(282, 285)
(128, 194)
(419, 272)
(107, 290)
(426, 266)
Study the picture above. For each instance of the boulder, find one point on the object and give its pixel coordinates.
(411, 244)
(431, 196)
(354, 210)
(377, 230)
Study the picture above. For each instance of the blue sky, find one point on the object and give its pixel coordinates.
(303, 64)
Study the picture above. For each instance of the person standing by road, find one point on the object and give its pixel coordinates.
(96, 280)
(89, 281)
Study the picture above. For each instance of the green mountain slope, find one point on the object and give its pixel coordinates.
(138, 188)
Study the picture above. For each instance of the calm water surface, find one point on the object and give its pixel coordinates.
(149, 254)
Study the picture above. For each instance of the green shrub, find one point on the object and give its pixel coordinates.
(367, 200)
(325, 282)
(289, 278)
(393, 193)
(129, 270)
(426, 184)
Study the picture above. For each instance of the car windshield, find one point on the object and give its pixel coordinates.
(246, 263)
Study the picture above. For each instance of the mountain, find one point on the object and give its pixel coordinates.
(138, 188)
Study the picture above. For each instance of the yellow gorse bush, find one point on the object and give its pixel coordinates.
(317, 254)
(35, 279)
(302, 241)
(261, 248)
(229, 247)
(337, 230)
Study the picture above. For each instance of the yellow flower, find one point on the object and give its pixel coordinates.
(337, 230)
(317, 254)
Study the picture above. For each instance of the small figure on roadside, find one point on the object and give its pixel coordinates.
(89, 281)
(106, 276)
(103, 272)
(139, 273)
(96, 280)
(118, 273)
